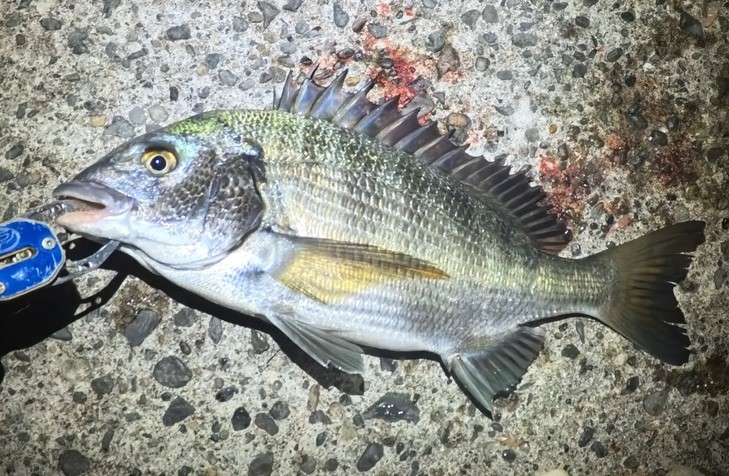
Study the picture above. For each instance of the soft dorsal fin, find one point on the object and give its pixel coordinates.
(491, 181)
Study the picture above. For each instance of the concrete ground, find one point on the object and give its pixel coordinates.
(619, 106)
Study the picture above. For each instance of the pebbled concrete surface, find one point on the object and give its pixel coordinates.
(620, 108)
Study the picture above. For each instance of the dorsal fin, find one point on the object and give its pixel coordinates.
(491, 181)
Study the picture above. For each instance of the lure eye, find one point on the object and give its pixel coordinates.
(159, 162)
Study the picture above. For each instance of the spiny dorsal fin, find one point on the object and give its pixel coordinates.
(491, 181)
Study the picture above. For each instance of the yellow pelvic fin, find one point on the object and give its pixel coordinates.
(330, 271)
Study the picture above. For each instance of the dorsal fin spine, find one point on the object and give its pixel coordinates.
(490, 181)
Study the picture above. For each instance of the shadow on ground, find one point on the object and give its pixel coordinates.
(34, 317)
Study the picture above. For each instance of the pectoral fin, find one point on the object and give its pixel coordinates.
(330, 271)
(323, 346)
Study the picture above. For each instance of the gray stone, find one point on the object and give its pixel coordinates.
(435, 41)
(341, 18)
(120, 127)
(470, 18)
(266, 423)
(172, 372)
(227, 78)
(241, 419)
(51, 24)
(370, 457)
(185, 317)
(532, 134)
(279, 410)
(212, 60)
(262, 465)
(482, 63)
(654, 402)
(239, 24)
(102, 385)
(293, 5)
(490, 15)
(523, 40)
(269, 12)
(259, 342)
(73, 463)
(377, 30)
(215, 329)
(180, 32)
(177, 411)
(141, 327)
(15, 151)
(137, 115)
(393, 407)
(158, 113)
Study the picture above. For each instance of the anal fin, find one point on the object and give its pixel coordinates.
(321, 345)
(489, 366)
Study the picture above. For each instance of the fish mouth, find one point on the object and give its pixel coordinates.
(87, 202)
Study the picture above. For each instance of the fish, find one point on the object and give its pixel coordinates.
(353, 228)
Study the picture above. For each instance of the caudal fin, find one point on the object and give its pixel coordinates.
(641, 305)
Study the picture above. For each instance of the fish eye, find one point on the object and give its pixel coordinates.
(159, 162)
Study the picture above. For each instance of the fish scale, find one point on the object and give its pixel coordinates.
(348, 225)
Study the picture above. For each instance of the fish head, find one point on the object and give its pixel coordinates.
(182, 197)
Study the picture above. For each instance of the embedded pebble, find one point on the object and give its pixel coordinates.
(505, 75)
(141, 327)
(587, 433)
(14, 152)
(370, 457)
(654, 402)
(393, 407)
(215, 329)
(212, 60)
(137, 115)
(470, 18)
(614, 54)
(259, 342)
(523, 40)
(293, 5)
(177, 411)
(570, 351)
(180, 32)
(266, 423)
(172, 372)
(482, 63)
(120, 127)
(377, 30)
(690, 25)
(51, 24)
(448, 60)
(73, 463)
(279, 410)
(239, 24)
(227, 78)
(582, 21)
(490, 15)
(225, 394)
(102, 385)
(435, 41)
(599, 449)
(185, 317)
(269, 12)
(261, 465)
(241, 419)
(341, 18)
(658, 137)
(63, 334)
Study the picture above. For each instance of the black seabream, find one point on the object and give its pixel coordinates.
(348, 225)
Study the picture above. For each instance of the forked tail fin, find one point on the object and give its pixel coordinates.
(641, 305)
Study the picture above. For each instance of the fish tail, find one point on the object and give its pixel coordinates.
(640, 302)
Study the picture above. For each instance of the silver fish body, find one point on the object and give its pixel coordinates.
(348, 225)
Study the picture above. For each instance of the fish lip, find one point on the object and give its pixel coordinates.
(89, 196)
